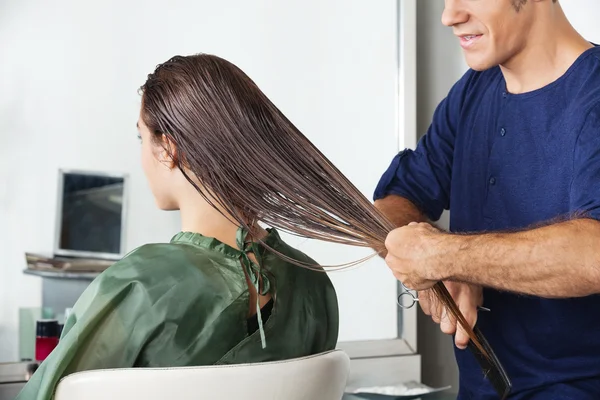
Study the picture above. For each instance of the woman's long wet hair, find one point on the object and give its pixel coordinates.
(254, 164)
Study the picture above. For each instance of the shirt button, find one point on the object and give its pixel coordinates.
(492, 181)
(504, 94)
(502, 132)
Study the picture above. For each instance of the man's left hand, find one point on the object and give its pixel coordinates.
(418, 255)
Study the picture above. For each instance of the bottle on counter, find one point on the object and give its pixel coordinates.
(47, 334)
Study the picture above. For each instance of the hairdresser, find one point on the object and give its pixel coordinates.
(513, 152)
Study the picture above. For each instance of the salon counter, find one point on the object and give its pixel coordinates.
(9, 391)
(13, 377)
(433, 396)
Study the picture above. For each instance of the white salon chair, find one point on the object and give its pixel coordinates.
(319, 377)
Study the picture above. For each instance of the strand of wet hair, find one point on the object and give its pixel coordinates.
(317, 202)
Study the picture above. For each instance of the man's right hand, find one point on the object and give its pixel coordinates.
(467, 297)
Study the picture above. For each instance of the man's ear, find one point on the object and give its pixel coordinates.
(167, 154)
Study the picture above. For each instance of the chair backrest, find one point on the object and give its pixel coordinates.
(318, 377)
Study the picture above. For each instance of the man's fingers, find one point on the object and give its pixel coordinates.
(448, 323)
(429, 305)
(470, 313)
(436, 311)
(424, 301)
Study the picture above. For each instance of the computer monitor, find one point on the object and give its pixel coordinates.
(91, 214)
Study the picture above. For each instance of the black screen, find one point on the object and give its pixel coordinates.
(91, 213)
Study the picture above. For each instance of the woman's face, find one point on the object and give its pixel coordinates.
(159, 169)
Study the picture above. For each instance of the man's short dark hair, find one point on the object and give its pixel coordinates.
(517, 4)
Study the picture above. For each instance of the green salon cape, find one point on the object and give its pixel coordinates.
(186, 303)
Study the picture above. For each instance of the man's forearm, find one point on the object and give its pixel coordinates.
(560, 260)
(399, 210)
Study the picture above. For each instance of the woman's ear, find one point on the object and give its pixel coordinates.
(167, 155)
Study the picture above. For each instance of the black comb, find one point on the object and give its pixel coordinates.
(492, 369)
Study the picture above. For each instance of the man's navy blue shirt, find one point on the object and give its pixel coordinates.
(501, 161)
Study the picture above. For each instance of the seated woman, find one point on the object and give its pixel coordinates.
(224, 290)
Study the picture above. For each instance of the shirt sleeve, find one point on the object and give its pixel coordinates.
(423, 175)
(585, 186)
(103, 331)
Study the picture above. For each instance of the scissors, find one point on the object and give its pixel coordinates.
(407, 299)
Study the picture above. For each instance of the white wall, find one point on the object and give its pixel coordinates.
(65, 101)
(440, 63)
(583, 15)
(68, 98)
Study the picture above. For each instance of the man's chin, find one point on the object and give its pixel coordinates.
(478, 64)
